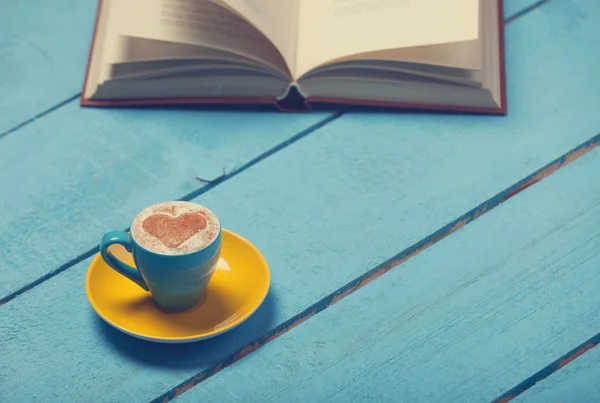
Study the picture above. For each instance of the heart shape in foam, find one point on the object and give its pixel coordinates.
(173, 231)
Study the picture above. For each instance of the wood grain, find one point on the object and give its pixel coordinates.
(461, 322)
(575, 383)
(403, 167)
(77, 174)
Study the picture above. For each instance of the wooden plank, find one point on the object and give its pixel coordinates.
(87, 168)
(575, 383)
(77, 173)
(44, 52)
(403, 167)
(461, 322)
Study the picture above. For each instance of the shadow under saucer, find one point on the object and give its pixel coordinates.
(191, 355)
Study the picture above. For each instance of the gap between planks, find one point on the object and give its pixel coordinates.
(209, 185)
(388, 265)
(40, 115)
(549, 370)
(524, 11)
(360, 281)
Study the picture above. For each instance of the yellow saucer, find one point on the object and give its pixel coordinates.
(236, 290)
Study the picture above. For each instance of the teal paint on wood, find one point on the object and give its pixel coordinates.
(85, 167)
(399, 165)
(461, 322)
(577, 382)
(77, 174)
(43, 53)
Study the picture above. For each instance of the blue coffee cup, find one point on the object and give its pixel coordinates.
(176, 282)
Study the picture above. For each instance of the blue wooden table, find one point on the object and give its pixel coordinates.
(456, 259)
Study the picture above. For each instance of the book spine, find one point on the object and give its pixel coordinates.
(293, 100)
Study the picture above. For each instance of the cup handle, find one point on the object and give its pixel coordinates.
(124, 239)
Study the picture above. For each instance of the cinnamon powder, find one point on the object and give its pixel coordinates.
(173, 231)
(176, 227)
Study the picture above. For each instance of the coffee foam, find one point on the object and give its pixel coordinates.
(175, 228)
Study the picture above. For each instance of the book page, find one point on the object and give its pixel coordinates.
(462, 55)
(277, 19)
(331, 29)
(193, 22)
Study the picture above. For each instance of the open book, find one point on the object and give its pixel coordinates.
(426, 54)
